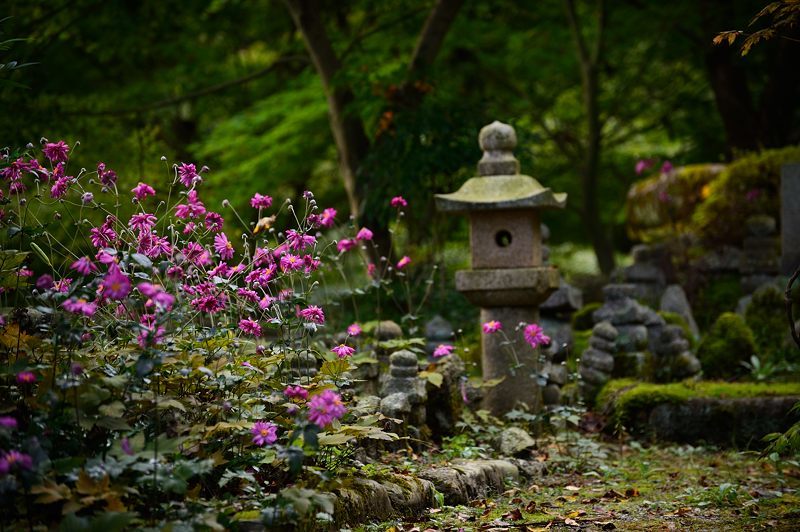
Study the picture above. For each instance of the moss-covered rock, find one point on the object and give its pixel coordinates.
(692, 411)
(719, 294)
(766, 317)
(582, 319)
(623, 399)
(729, 343)
(749, 185)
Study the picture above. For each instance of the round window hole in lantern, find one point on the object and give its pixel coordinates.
(502, 238)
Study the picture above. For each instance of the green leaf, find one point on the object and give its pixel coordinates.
(433, 377)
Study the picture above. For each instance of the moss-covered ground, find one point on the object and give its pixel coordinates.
(598, 485)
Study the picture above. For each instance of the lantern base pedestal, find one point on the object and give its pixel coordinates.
(519, 386)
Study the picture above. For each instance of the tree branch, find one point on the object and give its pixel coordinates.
(572, 18)
(169, 102)
(432, 36)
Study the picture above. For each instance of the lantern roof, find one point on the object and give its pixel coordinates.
(499, 184)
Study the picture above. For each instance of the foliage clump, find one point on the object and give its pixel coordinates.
(749, 185)
(723, 349)
(582, 319)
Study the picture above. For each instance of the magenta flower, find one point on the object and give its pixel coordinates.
(644, 164)
(57, 152)
(260, 202)
(264, 433)
(106, 177)
(346, 244)
(663, 196)
(223, 246)
(187, 174)
(261, 276)
(295, 392)
(325, 407)
(193, 208)
(8, 422)
(364, 234)
(62, 285)
(214, 222)
(142, 221)
(26, 377)
(156, 295)
(299, 241)
(250, 327)
(403, 262)
(752, 194)
(326, 217)
(44, 282)
(84, 266)
(354, 329)
(313, 314)
(116, 284)
(266, 302)
(535, 336)
(150, 335)
(142, 190)
(61, 185)
(125, 445)
(398, 201)
(666, 167)
(79, 306)
(343, 351)
(291, 262)
(15, 459)
(442, 350)
(491, 327)
(87, 198)
(371, 269)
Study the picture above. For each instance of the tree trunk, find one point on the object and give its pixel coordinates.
(590, 166)
(352, 143)
(733, 99)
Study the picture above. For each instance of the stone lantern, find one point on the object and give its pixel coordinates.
(508, 279)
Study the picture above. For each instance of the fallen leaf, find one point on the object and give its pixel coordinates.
(631, 492)
(571, 522)
(613, 494)
(606, 525)
(572, 488)
(514, 515)
(531, 507)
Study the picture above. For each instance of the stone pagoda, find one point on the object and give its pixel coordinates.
(508, 279)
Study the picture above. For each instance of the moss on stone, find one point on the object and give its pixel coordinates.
(623, 399)
(673, 318)
(749, 185)
(582, 319)
(727, 344)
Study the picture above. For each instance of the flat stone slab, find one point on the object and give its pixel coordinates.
(522, 287)
(466, 480)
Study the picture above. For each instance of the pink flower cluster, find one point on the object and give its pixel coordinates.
(326, 407)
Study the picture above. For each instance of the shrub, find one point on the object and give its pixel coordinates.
(661, 207)
(719, 294)
(766, 317)
(727, 344)
(168, 359)
(749, 185)
(582, 319)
